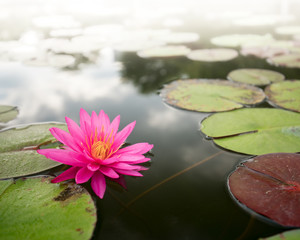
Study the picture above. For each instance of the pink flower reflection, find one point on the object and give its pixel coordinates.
(94, 151)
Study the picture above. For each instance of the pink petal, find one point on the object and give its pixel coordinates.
(81, 157)
(120, 180)
(62, 156)
(68, 174)
(129, 172)
(85, 122)
(75, 130)
(138, 148)
(114, 126)
(64, 138)
(108, 172)
(98, 184)
(122, 135)
(93, 167)
(104, 123)
(110, 161)
(131, 158)
(142, 160)
(124, 166)
(83, 175)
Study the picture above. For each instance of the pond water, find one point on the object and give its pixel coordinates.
(183, 195)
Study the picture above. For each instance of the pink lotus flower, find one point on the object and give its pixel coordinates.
(94, 151)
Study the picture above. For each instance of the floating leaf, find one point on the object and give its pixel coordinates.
(288, 60)
(263, 51)
(8, 113)
(255, 76)
(270, 185)
(235, 40)
(287, 235)
(164, 51)
(213, 55)
(285, 94)
(18, 156)
(205, 95)
(255, 131)
(34, 208)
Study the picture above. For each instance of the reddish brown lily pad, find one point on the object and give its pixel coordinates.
(270, 185)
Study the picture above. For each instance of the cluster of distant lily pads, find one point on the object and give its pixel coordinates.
(240, 124)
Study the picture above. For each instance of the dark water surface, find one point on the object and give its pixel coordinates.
(184, 194)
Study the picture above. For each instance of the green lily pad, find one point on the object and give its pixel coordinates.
(285, 94)
(235, 40)
(164, 51)
(205, 95)
(253, 76)
(213, 55)
(33, 208)
(255, 131)
(287, 235)
(18, 145)
(8, 113)
(291, 60)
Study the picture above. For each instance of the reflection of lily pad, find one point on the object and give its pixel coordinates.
(288, 60)
(255, 76)
(285, 94)
(287, 235)
(33, 208)
(164, 51)
(8, 113)
(213, 55)
(235, 40)
(255, 131)
(18, 156)
(210, 95)
(270, 185)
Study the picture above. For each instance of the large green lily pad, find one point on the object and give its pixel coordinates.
(18, 145)
(285, 94)
(254, 76)
(287, 235)
(205, 95)
(34, 208)
(8, 113)
(213, 55)
(164, 51)
(255, 131)
(291, 60)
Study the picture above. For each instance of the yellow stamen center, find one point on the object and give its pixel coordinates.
(101, 150)
(101, 145)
